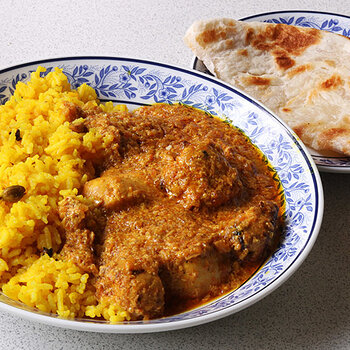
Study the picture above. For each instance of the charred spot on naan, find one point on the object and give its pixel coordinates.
(250, 35)
(329, 136)
(215, 34)
(326, 138)
(333, 132)
(243, 52)
(300, 69)
(283, 42)
(284, 62)
(229, 44)
(330, 63)
(290, 39)
(258, 81)
(299, 130)
(332, 83)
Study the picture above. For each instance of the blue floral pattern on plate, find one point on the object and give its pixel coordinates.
(136, 83)
(338, 24)
(331, 24)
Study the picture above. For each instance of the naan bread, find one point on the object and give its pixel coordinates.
(301, 74)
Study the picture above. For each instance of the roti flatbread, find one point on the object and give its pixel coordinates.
(301, 74)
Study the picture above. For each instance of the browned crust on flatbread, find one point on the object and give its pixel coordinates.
(299, 130)
(299, 69)
(229, 44)
(287, 110)
(330, 63)
(254, 80)
(243, 52)
(332, 133)
(284, 62)
(249, 37)
(216, 34)
(332, 83)
(291, 39)
(326, 138)
(283, 41)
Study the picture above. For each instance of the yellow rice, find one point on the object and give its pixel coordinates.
(48, 162)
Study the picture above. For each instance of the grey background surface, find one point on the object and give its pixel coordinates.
(311, 310)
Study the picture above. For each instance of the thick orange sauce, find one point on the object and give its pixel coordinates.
(191, 209)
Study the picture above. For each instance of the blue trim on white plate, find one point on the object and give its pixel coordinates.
(315, 186)
(183, 70)
(293, 11)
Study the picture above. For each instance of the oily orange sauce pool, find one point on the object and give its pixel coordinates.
(187, 209)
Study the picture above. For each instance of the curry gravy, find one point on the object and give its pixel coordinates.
(187, 209)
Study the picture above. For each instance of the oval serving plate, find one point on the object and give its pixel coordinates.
(138, 82)
(339, 24)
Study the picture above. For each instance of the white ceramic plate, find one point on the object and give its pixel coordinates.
(138, 82)
(340, 24)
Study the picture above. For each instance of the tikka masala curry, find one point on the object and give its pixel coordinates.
(185, 209)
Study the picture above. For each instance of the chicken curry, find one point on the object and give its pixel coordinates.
(184, 209)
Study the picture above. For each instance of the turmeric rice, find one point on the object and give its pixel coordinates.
(40, 151)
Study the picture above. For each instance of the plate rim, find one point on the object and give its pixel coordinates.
(179, 324)
(296, 11)
(323, 168)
